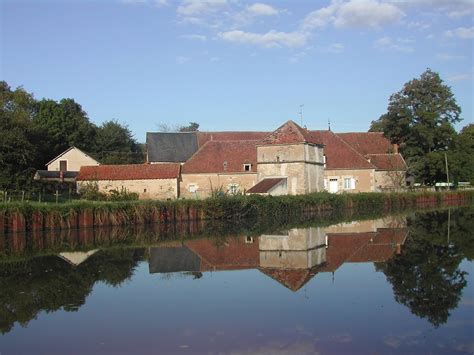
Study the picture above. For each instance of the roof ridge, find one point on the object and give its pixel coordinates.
(197, 151)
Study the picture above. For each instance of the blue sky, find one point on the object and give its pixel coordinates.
(232, 64)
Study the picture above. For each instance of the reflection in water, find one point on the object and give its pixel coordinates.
(414, 253)
(292, 257)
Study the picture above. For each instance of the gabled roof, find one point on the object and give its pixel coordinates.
(339, 154)
(67, 150)
(387, 161)
(234, 254)
(265, 185)
(291, 279)
(204, 137)
(171, 147)
(129, 172)
(289, 133)
(171, 259)
(222, 157)
(368, 142)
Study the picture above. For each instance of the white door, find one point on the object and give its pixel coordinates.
(333, 185)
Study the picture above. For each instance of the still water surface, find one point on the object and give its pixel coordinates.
(394, 285)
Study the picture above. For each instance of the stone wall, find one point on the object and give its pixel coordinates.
(204, 183)
(364, 179)
(159, 189)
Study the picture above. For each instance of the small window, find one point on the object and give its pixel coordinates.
(248, 240)
(144, 190)
(247, 167)
(192, 188)
(233, 188)
(278, 158)
(347, 183)
(224, 165)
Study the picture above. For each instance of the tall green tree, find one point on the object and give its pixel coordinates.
(420, 119)
(17, 137)
(115, 144)
(461, 158)
(63, 124)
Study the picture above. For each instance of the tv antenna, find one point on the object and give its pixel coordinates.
(329, 123)
(301, 114)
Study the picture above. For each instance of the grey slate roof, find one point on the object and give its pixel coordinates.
(164, 260)
(55, 175)
(171, 147)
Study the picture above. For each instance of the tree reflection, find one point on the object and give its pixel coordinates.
(49, 283)
(426, 277)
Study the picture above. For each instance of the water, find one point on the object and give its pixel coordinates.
(396, 285)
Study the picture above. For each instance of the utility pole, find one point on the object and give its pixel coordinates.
(447, 171)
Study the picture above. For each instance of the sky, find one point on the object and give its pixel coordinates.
(234, 64)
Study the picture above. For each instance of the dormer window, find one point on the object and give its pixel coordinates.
(247, 167)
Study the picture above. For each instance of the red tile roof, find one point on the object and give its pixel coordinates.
(387, 161)
(289, 133)
(204, 137)
(129, 172)
(265, 185)
(210, 158)
(292, 279)
(233, 254)
(368, 142)
(339, 154)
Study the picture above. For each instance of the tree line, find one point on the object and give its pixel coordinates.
(420, 118)
(32, 132)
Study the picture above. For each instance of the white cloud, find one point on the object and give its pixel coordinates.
(196, 37)
(461, 32)
(259, 9)
(418, 25)
(447, 56)
(334, 48)
(182, 60)
(161, 3)
(199, 7)
(367, 13)
(394, 45)
(460, 77)
(269, 40)
(354, 14)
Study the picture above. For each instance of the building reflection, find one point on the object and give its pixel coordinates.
(292, 257)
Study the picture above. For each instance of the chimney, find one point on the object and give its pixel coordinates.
(395, 148)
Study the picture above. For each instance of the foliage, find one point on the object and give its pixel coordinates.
(426, 276)
(115, 144)
(90, 191)
(420, 119)
(34, 132)
(192, 127)
(17, 143)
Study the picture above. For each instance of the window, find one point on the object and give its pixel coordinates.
(349, 183)
(248, 240)
(233, 188)
(247, 167)
(63, 165)
(144, 190)
(192, 188)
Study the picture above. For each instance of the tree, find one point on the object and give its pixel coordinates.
(461, 158)
(115, 144)
(63, 124)
(192, 127)
(420, 120)
(17, 141)
(426, 277)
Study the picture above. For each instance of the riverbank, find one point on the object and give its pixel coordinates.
(23, 217)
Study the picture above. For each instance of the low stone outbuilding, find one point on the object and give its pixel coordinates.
(149, 181)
